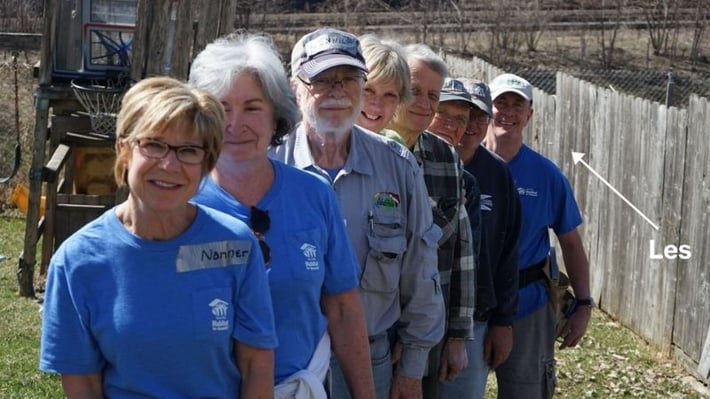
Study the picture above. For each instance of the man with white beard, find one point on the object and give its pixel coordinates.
(384, 200)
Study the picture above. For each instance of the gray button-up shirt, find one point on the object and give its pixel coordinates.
(385, 203)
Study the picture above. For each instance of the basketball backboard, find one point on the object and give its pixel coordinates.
(107, 47)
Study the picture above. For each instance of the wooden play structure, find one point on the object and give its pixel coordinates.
(91, 50)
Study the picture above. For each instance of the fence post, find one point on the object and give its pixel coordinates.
(669, 87)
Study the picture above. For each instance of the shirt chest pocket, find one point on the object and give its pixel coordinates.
(387, 243)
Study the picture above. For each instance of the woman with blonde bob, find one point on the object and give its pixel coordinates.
(159, 297)
(387, 86)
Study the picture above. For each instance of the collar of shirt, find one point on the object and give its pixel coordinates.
(356, 162)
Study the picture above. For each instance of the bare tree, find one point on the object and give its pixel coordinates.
(464, 20)
(699, 25)
(352, 14)
(419, 14)
(534, 23)
(21, 15)
(506, 37)
(661, 17)
(609, 26)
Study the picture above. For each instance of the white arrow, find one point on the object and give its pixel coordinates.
(577, 157)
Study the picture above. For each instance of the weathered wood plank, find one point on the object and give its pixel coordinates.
(216, 19)
(20, 41)
(692, 316)
(704, 364)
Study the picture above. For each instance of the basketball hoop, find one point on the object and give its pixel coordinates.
(102, 101)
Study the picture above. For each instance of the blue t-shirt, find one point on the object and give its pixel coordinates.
(547, 202)
(157, 318)
(311, 254)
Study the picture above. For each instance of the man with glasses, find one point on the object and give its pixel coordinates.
(443, 175)
(497, 273)
(384, 202)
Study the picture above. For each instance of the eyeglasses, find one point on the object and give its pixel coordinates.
(459, 121)
(325, 83)
(260, 222)
(481, 119)
(188, 154)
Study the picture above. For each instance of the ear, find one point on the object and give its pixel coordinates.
(294, 85)
(120, 145)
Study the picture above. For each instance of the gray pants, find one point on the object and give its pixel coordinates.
(529, 372)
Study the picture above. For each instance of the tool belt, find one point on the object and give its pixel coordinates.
(557, 285)
(533, 273)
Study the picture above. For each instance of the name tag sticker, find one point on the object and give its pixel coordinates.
(213, 254)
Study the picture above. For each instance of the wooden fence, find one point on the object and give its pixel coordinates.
(659, 159)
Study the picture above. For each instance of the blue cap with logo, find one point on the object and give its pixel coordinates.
(323, 49)
(480, 95)
(454, 90)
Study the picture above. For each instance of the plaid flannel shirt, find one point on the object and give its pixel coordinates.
(443, 175)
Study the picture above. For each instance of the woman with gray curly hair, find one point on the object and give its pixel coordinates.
(313, 272)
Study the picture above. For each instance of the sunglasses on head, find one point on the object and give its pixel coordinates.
(260, 222)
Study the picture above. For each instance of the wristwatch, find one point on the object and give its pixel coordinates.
(588, 302)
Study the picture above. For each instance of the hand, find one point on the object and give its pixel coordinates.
(406, 388)
(396, 354)
(576, 327)
(497, 345)
(454, 358)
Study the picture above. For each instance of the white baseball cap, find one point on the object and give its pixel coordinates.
(509, 83)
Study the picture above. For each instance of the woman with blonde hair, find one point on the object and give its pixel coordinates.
(160, 297)
(387, 85)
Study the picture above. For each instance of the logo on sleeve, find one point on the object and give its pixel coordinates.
(486, 202)
(220, 310)
(310, 252)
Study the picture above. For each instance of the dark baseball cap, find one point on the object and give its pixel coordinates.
(323, 49)
(454, 90)
(480, 95)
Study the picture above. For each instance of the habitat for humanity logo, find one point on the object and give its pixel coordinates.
(527, 192)
(219, 311)
(310, 253)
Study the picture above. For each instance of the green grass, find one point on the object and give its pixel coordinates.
(611, 362)
(19, 326)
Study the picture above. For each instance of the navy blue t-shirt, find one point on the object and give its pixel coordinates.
(497, 283)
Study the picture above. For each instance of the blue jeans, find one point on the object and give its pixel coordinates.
(471, 381)
(381, 371)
